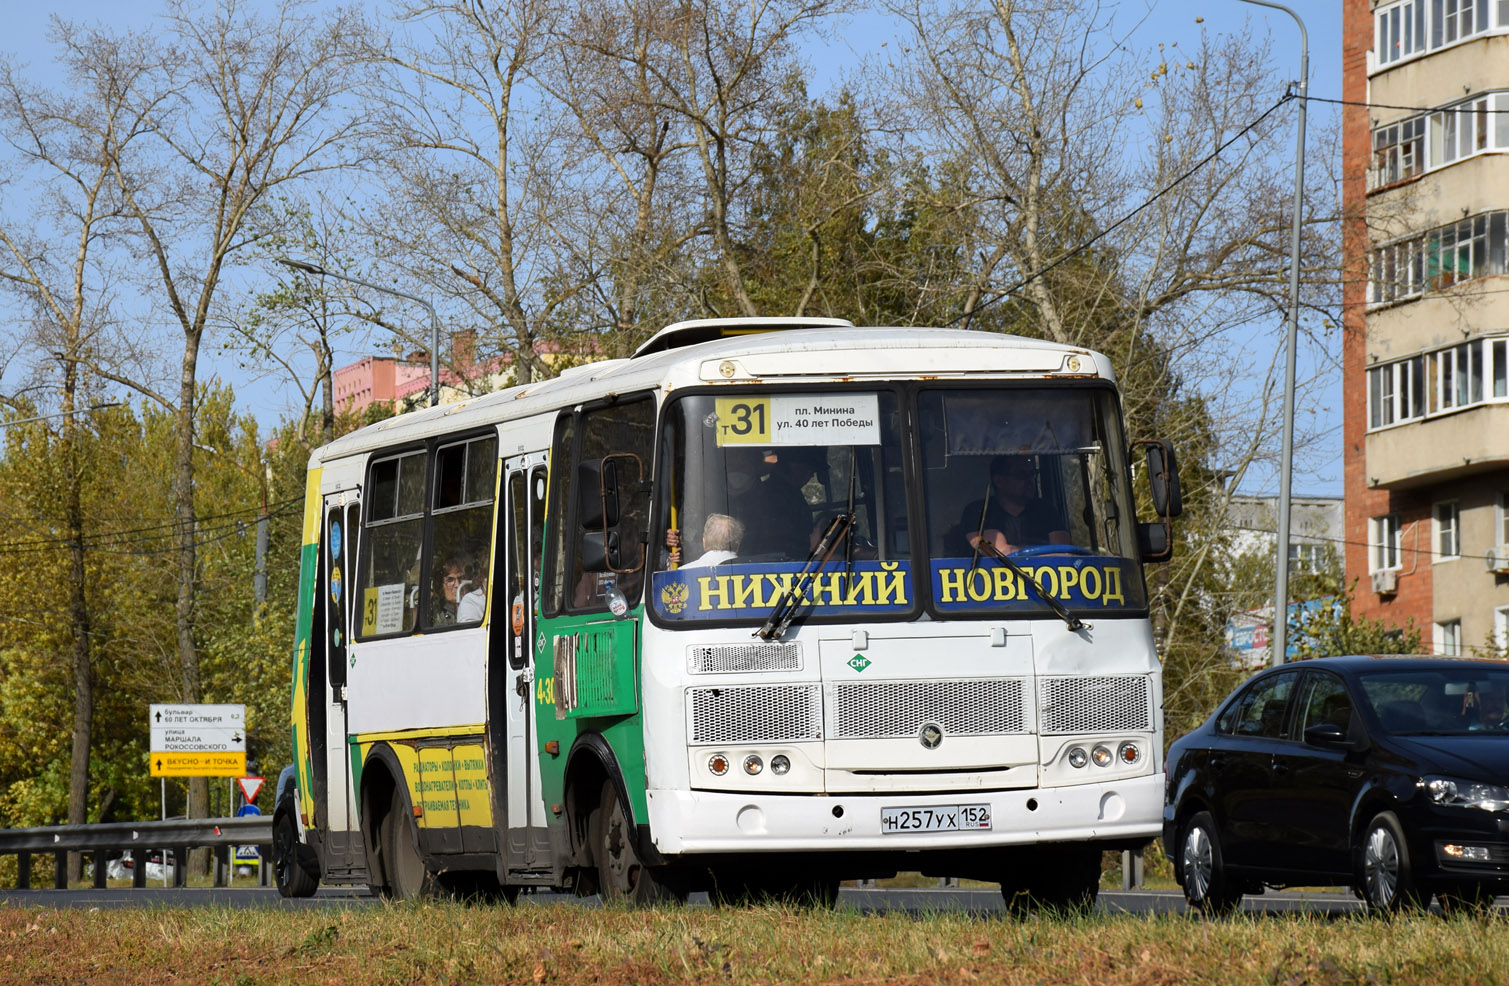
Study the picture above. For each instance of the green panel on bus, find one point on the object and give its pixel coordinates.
(594, 665)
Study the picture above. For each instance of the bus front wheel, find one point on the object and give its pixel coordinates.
(621, 874)
(407, 875)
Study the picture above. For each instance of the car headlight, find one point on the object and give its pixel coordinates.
(1450, 791)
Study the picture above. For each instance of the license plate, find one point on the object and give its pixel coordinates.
(937, 818)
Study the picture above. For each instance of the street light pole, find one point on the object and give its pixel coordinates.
(59, 414)
(313, 268)
(1286, 461)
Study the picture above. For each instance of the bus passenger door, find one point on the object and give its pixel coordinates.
(338, 551)
(517, 791)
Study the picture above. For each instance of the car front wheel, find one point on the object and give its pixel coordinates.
(1385, 876)
(1202, 869)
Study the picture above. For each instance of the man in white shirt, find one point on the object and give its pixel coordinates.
(721, 535)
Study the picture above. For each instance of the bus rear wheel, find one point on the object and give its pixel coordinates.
(408, 877)
(621, 874)
(294, 864)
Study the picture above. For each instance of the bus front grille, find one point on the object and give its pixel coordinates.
(891, 709)
(755, 714)
(1094, 705)
(727, 658)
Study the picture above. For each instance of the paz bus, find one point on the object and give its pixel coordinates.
(753, 611)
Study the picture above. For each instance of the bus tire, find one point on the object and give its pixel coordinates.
(621, 874)
(407, 876)
(294, 865)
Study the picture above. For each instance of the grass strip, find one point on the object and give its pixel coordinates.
(536, 944)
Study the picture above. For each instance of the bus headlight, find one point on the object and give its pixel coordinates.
(1078, 757)
(780, 764)
(753, 764)
(1129, 753)
(1101, 755)
(718, 764)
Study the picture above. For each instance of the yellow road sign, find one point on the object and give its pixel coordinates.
(227, 764)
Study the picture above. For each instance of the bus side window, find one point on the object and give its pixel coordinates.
(461, 531)
(391, 548)
(624, 429)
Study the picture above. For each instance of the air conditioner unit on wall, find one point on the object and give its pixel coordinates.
(1498, 559)
(1386, 582)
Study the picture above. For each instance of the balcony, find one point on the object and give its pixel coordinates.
(1439, 448)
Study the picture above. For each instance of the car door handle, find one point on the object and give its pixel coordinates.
(1217, 763)
(1280, 768)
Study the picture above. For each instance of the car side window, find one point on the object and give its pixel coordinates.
(1263, 710)
(1326, 701)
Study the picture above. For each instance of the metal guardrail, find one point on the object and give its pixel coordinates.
(136, 838)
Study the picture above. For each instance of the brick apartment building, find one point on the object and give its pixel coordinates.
(1426, 344)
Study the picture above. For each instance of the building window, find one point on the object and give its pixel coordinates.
(1305, 557)
(1401, 31)
(1396, 392)
(1412, 26)
(1386, 538)
(1448, 531)
(1501, 629)
(1398, 151)
(1439, 258)
(1445, 380)
(1405, 148)
(1449, 638)
(1502, 527)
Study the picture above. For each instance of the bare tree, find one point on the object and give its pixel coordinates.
(472, 166)
(232, 105)
(1131, 201)
(56, 259)
(724, 71)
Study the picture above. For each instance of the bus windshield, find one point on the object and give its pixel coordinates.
(749, 483)
(1039, 475)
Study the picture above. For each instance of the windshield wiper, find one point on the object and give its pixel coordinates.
(1070, 620)
(791, 600)
(974, 559)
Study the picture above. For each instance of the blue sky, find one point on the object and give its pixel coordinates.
(1165, 21)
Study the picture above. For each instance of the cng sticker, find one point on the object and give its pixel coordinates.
(858, 662)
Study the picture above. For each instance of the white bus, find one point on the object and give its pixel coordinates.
(772, 604)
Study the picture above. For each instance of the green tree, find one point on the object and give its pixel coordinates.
(1329, 631)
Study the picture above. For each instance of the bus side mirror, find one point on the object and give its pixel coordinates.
(591, 509)
(626, 501)
(608, 494)
(1163, 478)
(1153, 541)
(600, 552)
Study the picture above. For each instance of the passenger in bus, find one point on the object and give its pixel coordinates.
(452, 582)
(721, 536)
(473, 602)
(1014, 518)
(774, 510)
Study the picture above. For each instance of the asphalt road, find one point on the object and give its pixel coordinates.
(982, 902)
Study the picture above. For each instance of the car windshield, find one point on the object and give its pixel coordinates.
(1439, 702)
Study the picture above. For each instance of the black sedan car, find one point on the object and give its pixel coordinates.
(1386, 774)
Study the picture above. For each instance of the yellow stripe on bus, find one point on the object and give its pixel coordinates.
(312, 504)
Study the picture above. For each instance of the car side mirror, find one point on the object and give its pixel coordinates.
(1326, 734)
